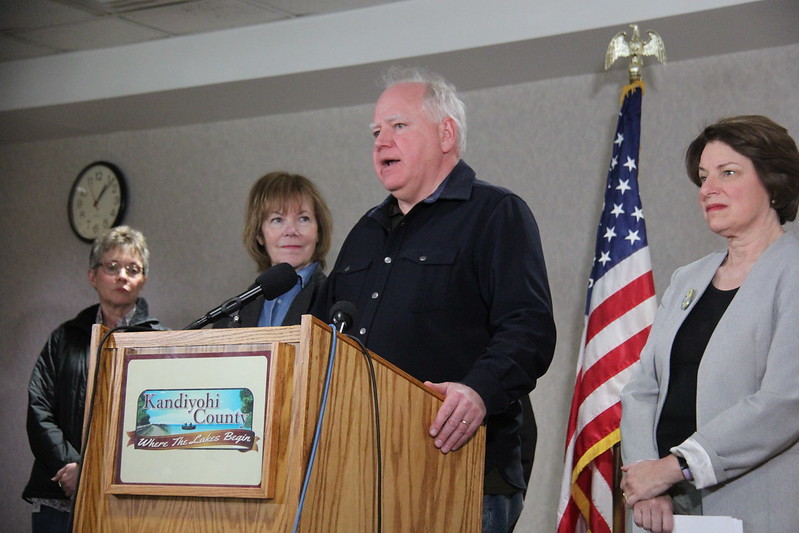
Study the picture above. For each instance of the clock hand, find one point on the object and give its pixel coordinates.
(102, 192)
(91, 190)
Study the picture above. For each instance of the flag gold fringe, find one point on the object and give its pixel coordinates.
(627, 89)
(603, 445)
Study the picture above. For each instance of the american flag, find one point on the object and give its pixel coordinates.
(620, 307)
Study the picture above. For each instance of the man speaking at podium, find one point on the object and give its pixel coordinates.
(449, 281)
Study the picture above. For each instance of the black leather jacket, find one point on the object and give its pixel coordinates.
(56, 399)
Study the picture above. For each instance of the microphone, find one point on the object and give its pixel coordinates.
(342, 314)
(271, 283)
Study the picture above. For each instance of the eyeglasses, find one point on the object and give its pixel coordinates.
(112, 269)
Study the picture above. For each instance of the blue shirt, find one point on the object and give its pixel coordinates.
(274, 311)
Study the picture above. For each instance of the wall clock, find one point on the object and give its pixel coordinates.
(97, 200)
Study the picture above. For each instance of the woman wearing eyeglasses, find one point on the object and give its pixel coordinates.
(118, 267)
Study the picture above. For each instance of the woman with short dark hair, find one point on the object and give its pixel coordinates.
(709, 417)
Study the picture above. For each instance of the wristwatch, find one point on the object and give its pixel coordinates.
(686, 471)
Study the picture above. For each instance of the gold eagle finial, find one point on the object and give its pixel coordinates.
(621, 47)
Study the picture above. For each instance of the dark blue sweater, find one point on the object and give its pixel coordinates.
(457, 291)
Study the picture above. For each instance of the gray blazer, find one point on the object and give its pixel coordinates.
(747, 404)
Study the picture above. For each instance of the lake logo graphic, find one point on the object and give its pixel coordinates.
(211, 419)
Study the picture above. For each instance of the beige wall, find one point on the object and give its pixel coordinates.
(549, 141)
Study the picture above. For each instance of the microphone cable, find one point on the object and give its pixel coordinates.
(317, 432)
(378, 444)
(342, 315)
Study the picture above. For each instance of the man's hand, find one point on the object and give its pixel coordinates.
(655, 514)
(67, 478)
(458, 418)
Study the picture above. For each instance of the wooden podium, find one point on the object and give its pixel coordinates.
(422, 489)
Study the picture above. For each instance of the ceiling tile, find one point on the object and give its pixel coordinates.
(100, 33)
(11, 49)
(29, 14)
(315, 7)
(203, 16)
(112, 7)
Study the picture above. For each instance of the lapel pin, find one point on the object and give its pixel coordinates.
(689, 297)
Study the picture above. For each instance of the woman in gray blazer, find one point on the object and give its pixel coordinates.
(287, 221)
(710, 418)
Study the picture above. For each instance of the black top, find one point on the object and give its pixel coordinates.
(678, 419)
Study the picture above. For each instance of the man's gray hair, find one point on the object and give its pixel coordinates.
(441, 100)
(120, 237)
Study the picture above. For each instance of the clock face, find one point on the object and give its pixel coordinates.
(97, 200)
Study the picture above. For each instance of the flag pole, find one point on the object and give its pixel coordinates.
(634, 48)
(619, 505)
(619, 525)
